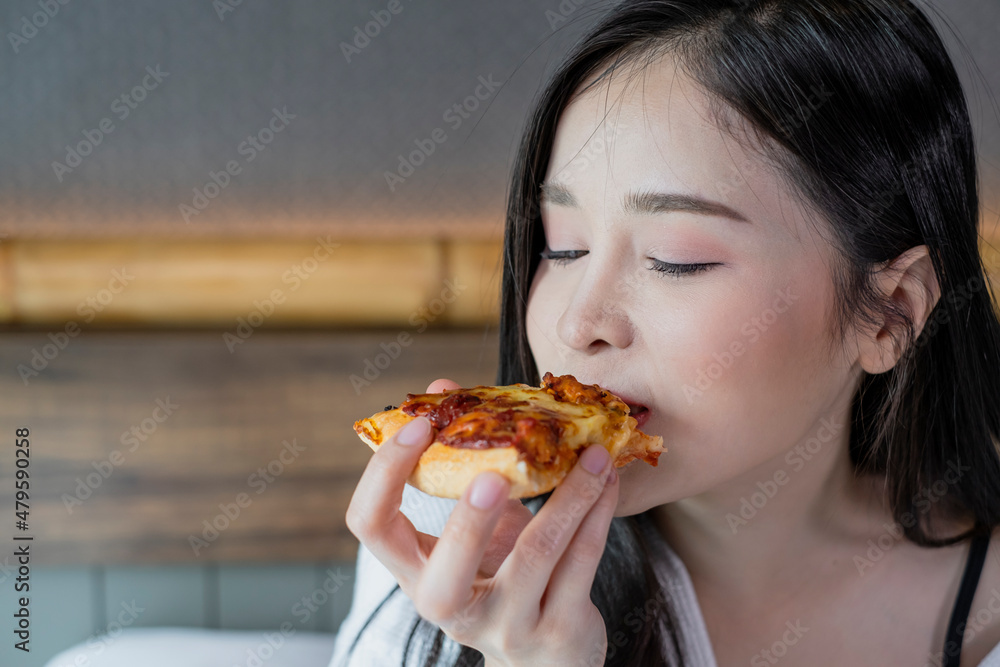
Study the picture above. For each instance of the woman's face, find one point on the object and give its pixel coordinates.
(730, 360)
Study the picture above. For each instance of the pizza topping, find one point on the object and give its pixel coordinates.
(443, 413)
(466, 419)
(567, 388)
(535, 433)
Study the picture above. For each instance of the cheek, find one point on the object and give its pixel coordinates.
(738, 383)
(542, 312)
(753, 366)
(768, 330)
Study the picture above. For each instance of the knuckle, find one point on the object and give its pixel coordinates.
(462, 529)
(463, 627)
(587, 486)
(432, 607)
(587, 548)
(538, 545)
(382, 461)
(355, 522)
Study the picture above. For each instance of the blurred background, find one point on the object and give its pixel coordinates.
(228, 230)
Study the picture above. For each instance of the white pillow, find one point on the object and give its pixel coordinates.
(198, 647)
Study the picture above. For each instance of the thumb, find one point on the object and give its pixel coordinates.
(442, 384)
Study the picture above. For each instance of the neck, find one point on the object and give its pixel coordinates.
(784, 518)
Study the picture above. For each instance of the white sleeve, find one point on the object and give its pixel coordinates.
(383, 640)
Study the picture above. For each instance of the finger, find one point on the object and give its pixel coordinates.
(374, 512)
(445, 586)
(544, 541)
(442, 384)
(573, 577)
(514, 518)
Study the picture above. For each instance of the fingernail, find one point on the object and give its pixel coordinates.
(486, 491)
(611, 477)
(415, 432)
(595, 459)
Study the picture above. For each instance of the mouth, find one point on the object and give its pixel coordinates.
(640, 412)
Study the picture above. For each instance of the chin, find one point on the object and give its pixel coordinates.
(637, 485)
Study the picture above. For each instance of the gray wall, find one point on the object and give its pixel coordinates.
(353, 119)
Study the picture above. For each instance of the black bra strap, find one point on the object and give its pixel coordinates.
(963, 603)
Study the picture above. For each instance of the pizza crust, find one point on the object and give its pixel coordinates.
(446, 471)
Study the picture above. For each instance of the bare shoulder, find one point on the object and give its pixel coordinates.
(982, 631)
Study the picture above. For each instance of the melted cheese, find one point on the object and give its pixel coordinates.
(546, 424)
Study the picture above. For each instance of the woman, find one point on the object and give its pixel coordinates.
(756, 221)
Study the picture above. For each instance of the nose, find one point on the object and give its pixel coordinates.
(596, 316)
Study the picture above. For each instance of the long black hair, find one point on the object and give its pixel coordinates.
(860, 105)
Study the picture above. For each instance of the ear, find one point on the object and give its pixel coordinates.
(912, 284)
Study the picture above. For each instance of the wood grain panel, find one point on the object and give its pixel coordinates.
(476, 266)
(232, 414)
(149, 282)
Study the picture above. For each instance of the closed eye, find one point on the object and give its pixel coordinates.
(679, 269)
(561, 257)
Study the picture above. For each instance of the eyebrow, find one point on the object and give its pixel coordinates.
(637, 203)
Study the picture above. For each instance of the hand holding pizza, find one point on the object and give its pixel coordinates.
(513, 586)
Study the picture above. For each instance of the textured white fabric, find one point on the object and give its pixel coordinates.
(993, 659)
(675, 579)
(383, 640)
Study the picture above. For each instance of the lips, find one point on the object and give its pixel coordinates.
(635, 408)
(639, 411)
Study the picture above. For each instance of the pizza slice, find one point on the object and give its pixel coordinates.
(530, 435)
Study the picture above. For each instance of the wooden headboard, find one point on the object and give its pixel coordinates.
(153, 447)
(192, 400)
